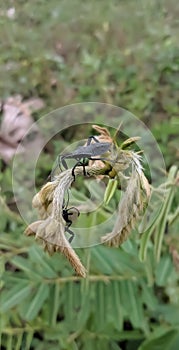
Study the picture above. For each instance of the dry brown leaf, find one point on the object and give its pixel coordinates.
(104, 134)
(16, 121)
(51, 229)
(129, 210)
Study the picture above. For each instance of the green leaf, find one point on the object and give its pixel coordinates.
(29, 339)
(15, 297)
(54, 304)
(68, 303)
(26, 266)
(148, 297)
(90, 344)
(144, 241)
(110, 190)
(163, 270)
(111, 261)
(85, 310)
(160, 230)
(37, 302)
(132, 304)
(101, 304)
(102, 261)
(9, 342)
(163, 342)
(19, 342)
(159, 222)
(116, 309)
(114, 346)
(39, 257)
(169, 312)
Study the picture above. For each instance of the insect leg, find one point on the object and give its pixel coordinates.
(73, 170)
(74, 208)
(63, 161)
(69, 222)
(83, 164)
(90, 138)
(71, 233)
(105, 159)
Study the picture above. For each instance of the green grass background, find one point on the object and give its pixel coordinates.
(120, 52)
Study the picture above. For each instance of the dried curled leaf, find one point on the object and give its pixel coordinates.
(145, 185)
(129, 210)
(43, 200)
(52, 235)
(104, 134)
(51, 230)
(16, 121)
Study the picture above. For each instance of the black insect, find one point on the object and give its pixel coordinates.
(69, 215)
(85, 152)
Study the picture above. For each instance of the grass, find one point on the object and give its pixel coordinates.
(120, 52)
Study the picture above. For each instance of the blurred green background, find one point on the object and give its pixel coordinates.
(120, 52)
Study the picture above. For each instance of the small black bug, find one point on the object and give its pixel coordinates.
(69, 215)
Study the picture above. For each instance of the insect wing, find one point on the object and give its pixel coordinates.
(99, 148)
